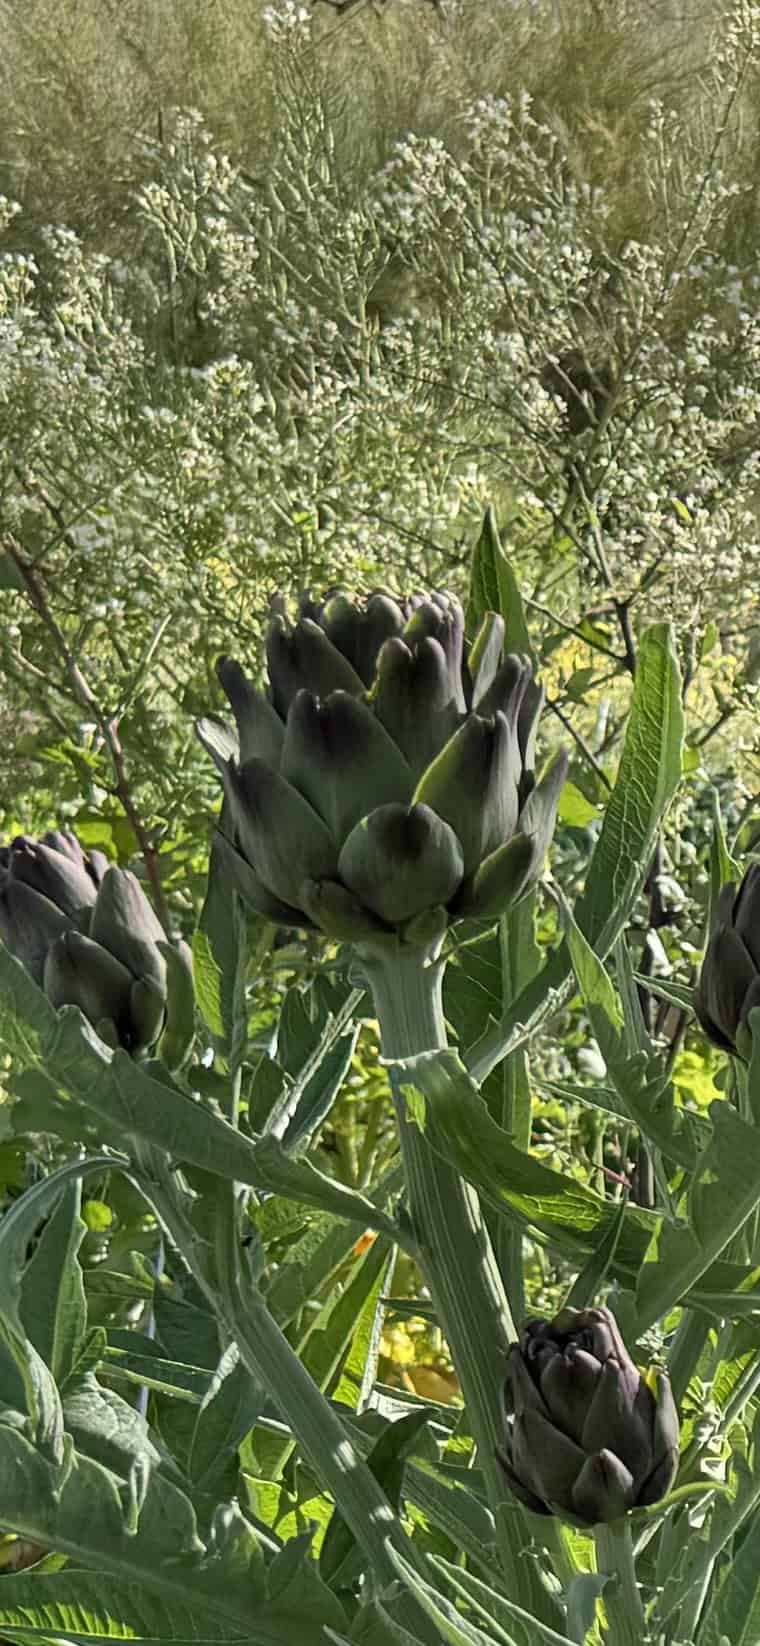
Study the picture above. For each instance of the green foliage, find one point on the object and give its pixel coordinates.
(418, 281)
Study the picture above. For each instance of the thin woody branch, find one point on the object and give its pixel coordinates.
(107, 725)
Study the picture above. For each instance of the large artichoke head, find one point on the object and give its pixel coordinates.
(588, 1437)
(88, 935)
(729, 982)
(387, 770)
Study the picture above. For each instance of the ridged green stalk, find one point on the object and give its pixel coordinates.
(456, 1255)
(274, 1364)
(622, 1599)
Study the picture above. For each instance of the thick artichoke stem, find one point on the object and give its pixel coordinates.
(622, 1599)
(407, 989)
(457, 1258)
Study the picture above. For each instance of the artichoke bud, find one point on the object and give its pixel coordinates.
(86, 933)
(587, 1437)
(729, 982)
(386, 771)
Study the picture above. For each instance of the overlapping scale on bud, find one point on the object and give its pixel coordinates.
(729, 982)
(89, 937)
(386, 770)
(588, 1436)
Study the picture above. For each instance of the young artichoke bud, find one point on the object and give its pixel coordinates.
(88, 936)
(386, 770)
(729, 982)
(587, 1439)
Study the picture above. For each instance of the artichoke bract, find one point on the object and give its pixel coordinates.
(729, 982)
(87, 934)
(587, 1439)
(386, 771)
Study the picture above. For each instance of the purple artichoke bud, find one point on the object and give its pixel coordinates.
(87, 934)
(587, 1439)
(729, 982)
(386, 770)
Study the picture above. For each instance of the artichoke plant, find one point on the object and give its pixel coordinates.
(89, 937)
(587, 1439)
(729, 982)
(387, 770)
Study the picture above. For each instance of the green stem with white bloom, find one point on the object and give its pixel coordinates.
(456, 1256)
(622, 1599)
